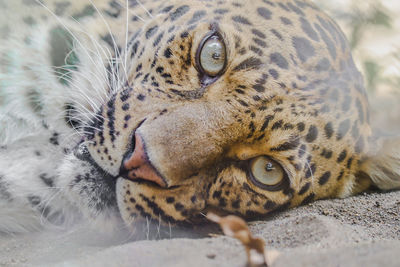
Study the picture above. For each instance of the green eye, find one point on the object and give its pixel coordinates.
(266, 173)
(212, 56)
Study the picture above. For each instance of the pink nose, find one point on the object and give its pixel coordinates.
(138, 165)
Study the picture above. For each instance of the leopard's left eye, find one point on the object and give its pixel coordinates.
(266, 173)
(212, 56)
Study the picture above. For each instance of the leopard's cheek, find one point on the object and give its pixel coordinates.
(141, 200)
(233, 192)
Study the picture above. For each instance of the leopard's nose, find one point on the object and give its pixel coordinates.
(137, 165)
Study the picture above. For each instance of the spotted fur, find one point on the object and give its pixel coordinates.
(84, 86)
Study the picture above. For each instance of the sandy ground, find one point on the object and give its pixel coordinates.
(357, 231)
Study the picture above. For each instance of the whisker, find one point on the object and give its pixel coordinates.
(144, 8)
(118, 54)
(68, 30)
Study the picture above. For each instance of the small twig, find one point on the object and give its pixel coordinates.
(236, 227)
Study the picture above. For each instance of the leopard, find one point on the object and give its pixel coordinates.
(114, 112)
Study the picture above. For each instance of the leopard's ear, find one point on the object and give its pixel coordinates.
(381, 167)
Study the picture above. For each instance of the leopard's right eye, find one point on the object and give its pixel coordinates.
(266, 173)
(212, 56)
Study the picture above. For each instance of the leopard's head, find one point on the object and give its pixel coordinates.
(228, 106)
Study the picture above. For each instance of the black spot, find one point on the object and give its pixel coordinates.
(303, 47)
(268, 2)
(274, 74)
(328, 130)
(324, 178)
(170, 200)
(34, 200)
(258, 33)
(4, 193)
(141, 97)
(284, 7)
(54, 139)
(249, 63)
(217, 194)
(150, 32)
(308, 199)
(167, 9)
(259, 88)
(179, 12)
(269, 205)
(310, 170)
(264, 12)
(304, 189)
(342, 156)
(323, 65)
(346, 103)
(340, 175)
(111, 117)
(279, 60)
(241, 20)
(49, 181)
(349, 162)
(301, 126)
(29, 20)
(178, 206)
(295, 9)
(236, 204)
(134, 49)
(256, 50)
(312, 134)
(286, 21)
(198, 15)
(277, 34)
(327, 40)
(71, 116)
(266, 122)
(326, 153)
(302, 151)
(160, 69)
(125, 106)
(290, 145)
(277, 125)
(308, 29)
(344, 127)
(260, 42)
(158, 39)
(243, 103)
(221, 11)
(168, 53)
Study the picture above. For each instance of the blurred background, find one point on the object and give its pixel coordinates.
(373, 30)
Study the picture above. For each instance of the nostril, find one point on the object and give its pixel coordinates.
(136, 165)
(123, 172)
(138, 155)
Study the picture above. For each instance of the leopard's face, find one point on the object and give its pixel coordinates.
(226, 106)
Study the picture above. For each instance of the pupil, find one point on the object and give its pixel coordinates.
(216, 56)
(269, 167)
